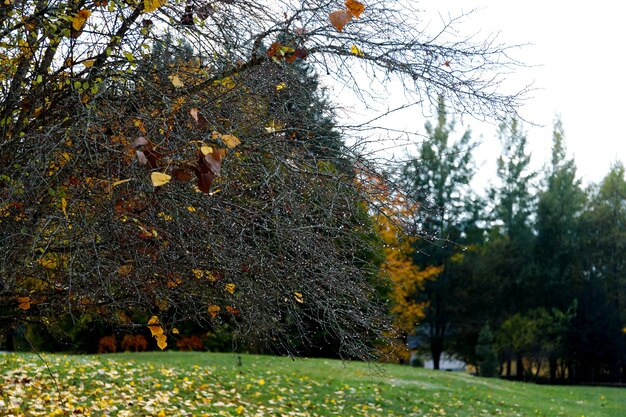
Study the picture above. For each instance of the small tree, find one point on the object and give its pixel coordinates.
(486, 353)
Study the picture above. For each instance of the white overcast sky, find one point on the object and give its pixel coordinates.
(578, 54)
(575, 55)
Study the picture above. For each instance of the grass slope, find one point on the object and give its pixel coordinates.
(209, 384)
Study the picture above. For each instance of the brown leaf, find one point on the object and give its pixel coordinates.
(153, 157)
(339, 19)
(355, 8)
(205, 180)
(214, 162)
(301, 53)
(273, 49)
(181, 174)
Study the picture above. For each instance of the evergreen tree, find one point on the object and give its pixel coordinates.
(438, 178)
(507, 254)
(596, 340)
(558, 213)
(486, 353)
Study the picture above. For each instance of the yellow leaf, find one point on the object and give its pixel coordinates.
(356, 51)
(116, 183)
(261, 381)
(48, 263)
(213, 310)
(230, 288)
(152, 5)
(298, 297)
(125, 270)
(206, 150)
(161, 341)
(88, 63)
(153, 325)
(339, 19)
(78, 21)
(355, 8)
(230, 141)
(175, 331)
(159, 178)
(198, 273)
(176, 82)
(23, 303)
(165, 216)
(240, 410)
(281, 86)
(191, 209)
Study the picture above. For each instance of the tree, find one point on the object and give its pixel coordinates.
(438, 178)
(560, 205)
(146, 190)
(596, 340)
(406, 279)
(506, 256)
(486, 352)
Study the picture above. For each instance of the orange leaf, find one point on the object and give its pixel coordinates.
(154, 326)
(23, 303)
(161, 341)
(355, 8)
(339, 19)
(78, 21)
(232, 310)
(213, 310)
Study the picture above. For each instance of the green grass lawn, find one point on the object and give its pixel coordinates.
(211, 384)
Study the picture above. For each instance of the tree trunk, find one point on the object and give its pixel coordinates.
(436, 353)
(519, 374)
(508, 366)
(553, 368)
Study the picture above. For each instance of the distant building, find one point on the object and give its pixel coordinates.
(446, 363)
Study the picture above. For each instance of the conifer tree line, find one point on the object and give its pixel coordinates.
(532, 273)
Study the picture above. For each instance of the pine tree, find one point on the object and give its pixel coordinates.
(486, 353)
(438, 178)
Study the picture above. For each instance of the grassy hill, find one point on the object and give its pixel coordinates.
(209, 384)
